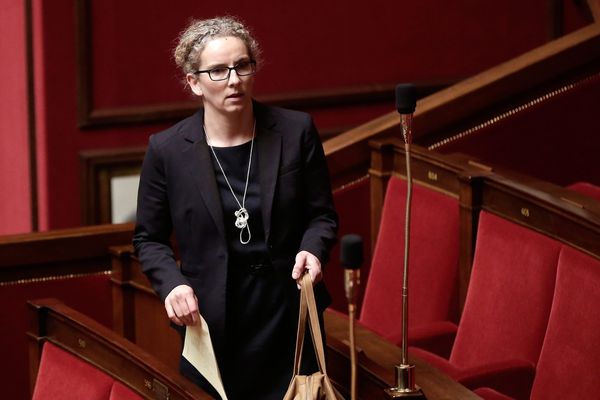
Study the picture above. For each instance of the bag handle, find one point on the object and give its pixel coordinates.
(308, 303)
(300, 333)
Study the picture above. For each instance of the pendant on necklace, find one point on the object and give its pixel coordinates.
(241, 218)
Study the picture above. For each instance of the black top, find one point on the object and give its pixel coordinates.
(260, 332)
(234, 161)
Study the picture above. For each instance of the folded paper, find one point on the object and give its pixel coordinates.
(198, 350)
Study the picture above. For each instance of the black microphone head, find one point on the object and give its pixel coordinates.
(406, 98)
(351, 253)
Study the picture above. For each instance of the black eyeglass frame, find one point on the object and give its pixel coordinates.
(208, 71)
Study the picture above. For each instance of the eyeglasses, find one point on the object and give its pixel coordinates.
(243, 68)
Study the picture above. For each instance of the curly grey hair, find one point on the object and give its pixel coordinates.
(199, 32)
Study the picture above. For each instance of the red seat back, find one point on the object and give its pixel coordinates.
(433, 261)
(569, 364)
(509, 296)
(64, 376)
(587, 189)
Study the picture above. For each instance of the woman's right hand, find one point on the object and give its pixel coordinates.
(182, 305)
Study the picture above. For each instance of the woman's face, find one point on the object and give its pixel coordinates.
(226, 96)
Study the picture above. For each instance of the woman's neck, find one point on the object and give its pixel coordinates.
(224, 130)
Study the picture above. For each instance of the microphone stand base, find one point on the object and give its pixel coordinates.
(394, 393)
(405, 383)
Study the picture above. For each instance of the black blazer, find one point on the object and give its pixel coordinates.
(178, 192)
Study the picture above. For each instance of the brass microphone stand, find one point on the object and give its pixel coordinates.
(405, 372)
(352, 257)
(352, 276)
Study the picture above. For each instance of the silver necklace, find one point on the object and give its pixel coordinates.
(241, 215)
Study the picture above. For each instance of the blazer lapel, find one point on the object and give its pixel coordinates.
(197, 160)
(269, 153)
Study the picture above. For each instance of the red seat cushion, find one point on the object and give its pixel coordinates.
(63, 376)
(569, 364)
(433, 262)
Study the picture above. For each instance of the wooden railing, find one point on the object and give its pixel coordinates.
(477, 98)
(59, 253)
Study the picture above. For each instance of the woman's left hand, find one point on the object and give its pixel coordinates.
(307, 262)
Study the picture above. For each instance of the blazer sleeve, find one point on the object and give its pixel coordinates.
(154, 227)
(322, 226)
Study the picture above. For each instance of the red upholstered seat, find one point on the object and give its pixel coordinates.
(586, 188)
(506, 311)
(433, 269)
(569, 364)
(64, 376)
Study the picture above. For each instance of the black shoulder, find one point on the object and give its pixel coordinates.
(282, 115)
(187, 127)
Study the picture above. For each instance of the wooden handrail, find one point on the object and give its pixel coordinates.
(554, 211)
(60, 252)
(480, 92)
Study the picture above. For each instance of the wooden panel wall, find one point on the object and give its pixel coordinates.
(338, 63)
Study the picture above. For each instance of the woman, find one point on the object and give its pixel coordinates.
(245, 189)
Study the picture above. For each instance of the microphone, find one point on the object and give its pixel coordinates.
(406, 98)
(351, 256)
(406, 101)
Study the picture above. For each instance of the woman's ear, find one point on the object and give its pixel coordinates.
(194, 83)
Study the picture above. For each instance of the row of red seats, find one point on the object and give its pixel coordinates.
(522, 321)
(569, 360)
